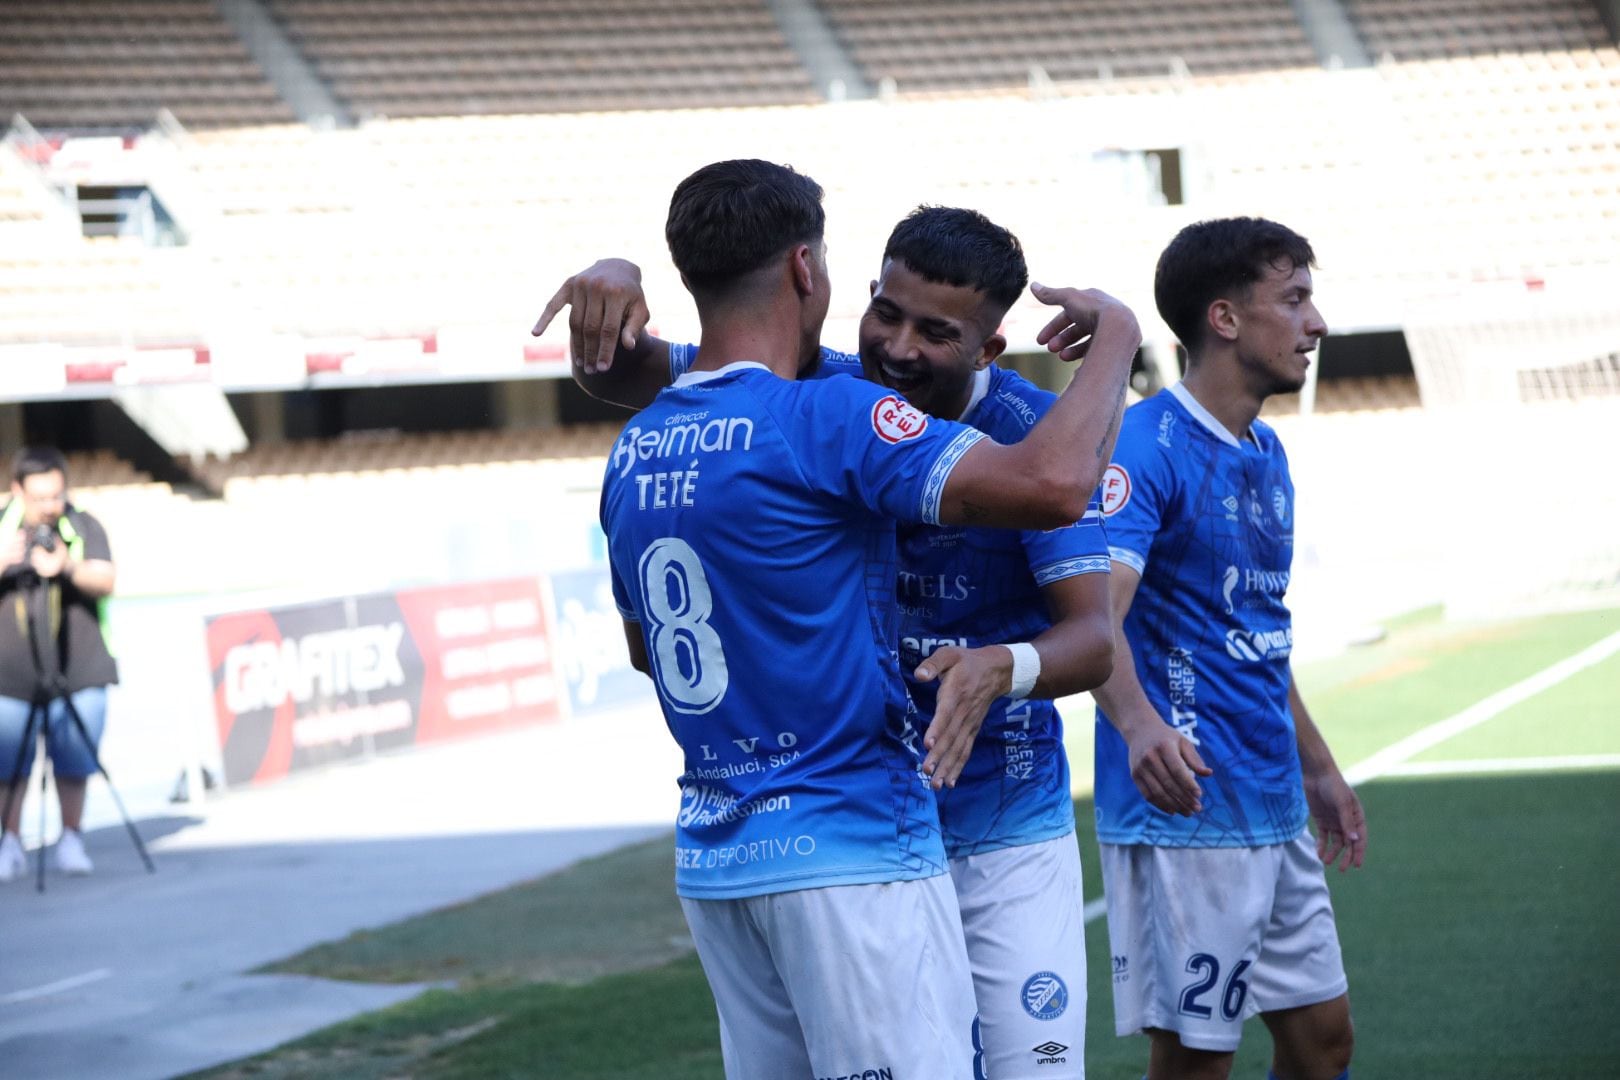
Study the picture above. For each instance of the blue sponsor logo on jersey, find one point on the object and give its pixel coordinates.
(1019, 406)
(1045, 996)
(1253, 646)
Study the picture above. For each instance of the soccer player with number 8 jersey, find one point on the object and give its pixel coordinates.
(751, 524)
(932, 332)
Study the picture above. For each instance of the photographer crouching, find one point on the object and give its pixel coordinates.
(56, 572)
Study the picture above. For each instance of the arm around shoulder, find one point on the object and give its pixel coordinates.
(614, 360)
(1047, 479)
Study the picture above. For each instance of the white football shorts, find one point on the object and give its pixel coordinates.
(1026, 943)
(1203, 938)
(844, 981)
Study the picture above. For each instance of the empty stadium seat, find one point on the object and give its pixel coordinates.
(116, 63)
(1452, 28)
(403, 58)
(927, 46)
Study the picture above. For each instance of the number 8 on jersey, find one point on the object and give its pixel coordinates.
(686, 653)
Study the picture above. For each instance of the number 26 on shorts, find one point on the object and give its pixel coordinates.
(1208, 970)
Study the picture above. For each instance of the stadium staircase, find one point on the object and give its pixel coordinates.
(811, 37)
(1332, 34)
(294, 78)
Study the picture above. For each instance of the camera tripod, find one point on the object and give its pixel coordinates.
(50, 686)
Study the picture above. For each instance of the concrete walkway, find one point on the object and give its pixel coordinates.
(132, 975)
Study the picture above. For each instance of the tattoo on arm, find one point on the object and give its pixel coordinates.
(1113, 422)
(973, 512)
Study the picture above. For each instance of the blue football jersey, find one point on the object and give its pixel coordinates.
(977, 586)
(1207, 520)
(751, 535)
(683, 354)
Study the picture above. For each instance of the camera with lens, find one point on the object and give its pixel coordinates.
(43, 537)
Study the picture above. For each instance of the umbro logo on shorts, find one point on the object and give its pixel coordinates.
(1051, 1053)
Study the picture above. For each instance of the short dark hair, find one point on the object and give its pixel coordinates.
(35, 460)
(1209, 260)
(952, 246)
(732, 217)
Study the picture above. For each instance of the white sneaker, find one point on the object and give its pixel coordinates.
(13, 861)
(70, 856)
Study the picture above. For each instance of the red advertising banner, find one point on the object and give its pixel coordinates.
(300, 686)
(486, 657)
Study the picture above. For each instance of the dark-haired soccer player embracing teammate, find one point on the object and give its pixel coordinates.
(751, 522)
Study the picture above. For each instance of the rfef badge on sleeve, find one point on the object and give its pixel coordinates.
(1116, 489)
(896, 420)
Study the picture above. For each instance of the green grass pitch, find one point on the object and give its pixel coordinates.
(1482, 939)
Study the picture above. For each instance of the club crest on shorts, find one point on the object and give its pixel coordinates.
(1045, 996)
(895, 420)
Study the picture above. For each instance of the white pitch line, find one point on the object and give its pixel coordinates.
(1436, 733)
(1506, 765)
(1393, 759)
(69, 983)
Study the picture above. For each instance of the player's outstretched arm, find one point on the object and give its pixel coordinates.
(1165, 765)
(1046, 479)
(614, 359)
(1341, 823)
(1075, 653)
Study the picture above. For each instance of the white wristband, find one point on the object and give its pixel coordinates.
(1026, 669)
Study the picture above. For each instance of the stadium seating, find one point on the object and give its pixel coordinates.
(84, 292)
(377, 452)
(405, 58)
(1449, 28)
(1381, 393)
(113, 64)
(1522, 151)
(20, 200)
(965, 44)
(103, 468)
(1599, 376)
(1416, 179)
